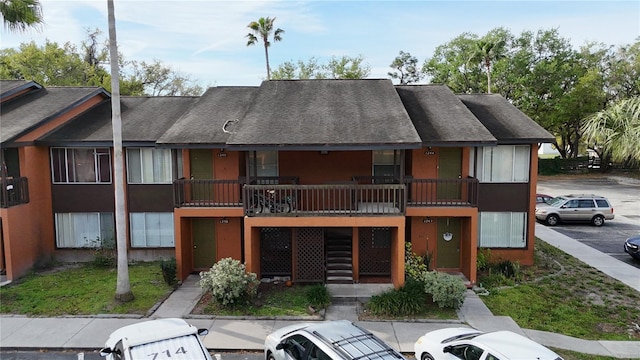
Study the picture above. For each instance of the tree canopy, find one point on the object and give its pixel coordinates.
(20, 15)
(53, 64)
(344, 67)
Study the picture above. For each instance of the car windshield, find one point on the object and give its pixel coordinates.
(556, 201)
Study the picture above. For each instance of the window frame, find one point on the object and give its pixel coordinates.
(133, 232)
(486, 172)
(169, 158)
(67, 168)
(106, 229)
(514, 241)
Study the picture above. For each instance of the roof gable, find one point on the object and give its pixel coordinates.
(506, 122)
(203, 123)
(22, 114)
(144, 119)
(441, 118)
(316, 114)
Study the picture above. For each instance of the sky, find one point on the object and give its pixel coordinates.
(206, 39)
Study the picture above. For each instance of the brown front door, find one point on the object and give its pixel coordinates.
(204, 242)
(448, 251)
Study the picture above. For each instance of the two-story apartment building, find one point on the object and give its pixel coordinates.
(317, 180)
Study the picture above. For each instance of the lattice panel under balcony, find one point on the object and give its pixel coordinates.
(275, 252)
(310, 255)
(375, 251)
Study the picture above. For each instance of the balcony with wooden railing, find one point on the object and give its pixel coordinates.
(14, 191)
(363, 196)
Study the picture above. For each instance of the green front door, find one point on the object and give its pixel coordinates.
(201, 162)
(448, 251)
(204, 242)
(449, 168)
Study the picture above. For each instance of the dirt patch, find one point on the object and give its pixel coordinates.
(264, 290)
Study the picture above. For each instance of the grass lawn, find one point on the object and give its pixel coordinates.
(273, 300)
(561, 294)
(83, 290)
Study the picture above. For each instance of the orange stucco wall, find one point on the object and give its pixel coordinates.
(28, 229)
(314, 168)
(252, 227)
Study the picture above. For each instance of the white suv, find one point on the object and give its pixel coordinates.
(576, 207)
(327, 340)
(168, 339)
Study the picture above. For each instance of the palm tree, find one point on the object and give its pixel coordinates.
(616, 130)
(262, 29)
(486, 52)
(123, 287)
(18, 15)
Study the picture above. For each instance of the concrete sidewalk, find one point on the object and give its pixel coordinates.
(233, 334)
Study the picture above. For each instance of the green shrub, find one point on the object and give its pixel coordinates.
(405, 301)
(169, 271)
(415, 265)
(104, 254)
(482, 261)
(446, 290)
(508, 268)
(229, 282)
(318, 296)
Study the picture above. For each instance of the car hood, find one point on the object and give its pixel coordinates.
(635, 240)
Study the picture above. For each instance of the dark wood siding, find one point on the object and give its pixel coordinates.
(503, 197)
(82, 198)
(150, 198)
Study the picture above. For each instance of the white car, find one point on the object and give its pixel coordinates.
(326, 340)
(470, 344)
(160, 339)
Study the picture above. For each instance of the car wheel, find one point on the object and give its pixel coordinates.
(598, 220)
(553, 220)
(426, 356)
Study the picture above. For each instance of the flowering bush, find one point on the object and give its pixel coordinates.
(415, 266)
(229, 282)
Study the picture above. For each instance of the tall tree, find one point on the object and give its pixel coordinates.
(405, 69)
(616, 131)
(123, 286)
(486, 52)
(262, 30)
(19, 15)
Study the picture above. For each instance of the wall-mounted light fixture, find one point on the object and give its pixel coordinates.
(429, 151)
(447, 236)
(224, 221)
(222, 153)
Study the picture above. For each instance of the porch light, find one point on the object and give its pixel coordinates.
(447, 236)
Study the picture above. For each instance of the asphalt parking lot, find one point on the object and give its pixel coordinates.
(623, 193)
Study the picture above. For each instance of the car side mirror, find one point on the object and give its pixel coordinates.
(105, 351)
(280, 346)
(447, 349)
(203, 332)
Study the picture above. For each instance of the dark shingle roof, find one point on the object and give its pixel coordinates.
(20, 115)
(441, 119)
(11, 87)
(508, 124)
(203, 123)
(317, 114)
(144, 120)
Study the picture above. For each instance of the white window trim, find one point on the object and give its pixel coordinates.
(146, 239)
(96, 168)
(516, 239)
(142, 164)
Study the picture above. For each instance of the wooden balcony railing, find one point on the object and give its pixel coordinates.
(14, 191)
(442, 192)
(324, 200)
(207, 193)
(362, 196)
